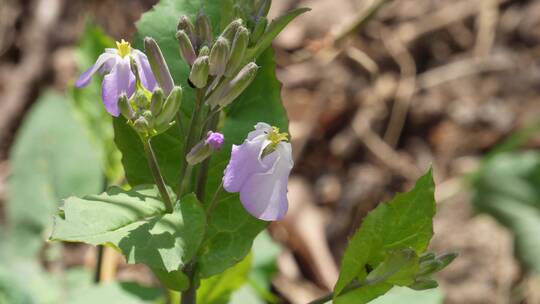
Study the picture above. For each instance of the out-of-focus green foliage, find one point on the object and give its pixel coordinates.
(507, 187)
(51, 159)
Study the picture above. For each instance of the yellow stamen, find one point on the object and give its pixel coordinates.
(275, 137)
(124, 48)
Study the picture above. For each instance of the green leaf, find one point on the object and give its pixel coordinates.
(403, 223)
(508, 188)
(404, 295)
(275, 27)
(231, 229)
(50, 160)
(218, 289)
(134, 222)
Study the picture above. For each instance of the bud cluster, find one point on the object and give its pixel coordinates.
(430, 264)
(255, 12)
(151, 113)
(218, 66)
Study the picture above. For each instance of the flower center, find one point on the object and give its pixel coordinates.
(275, 137)
(124, 48)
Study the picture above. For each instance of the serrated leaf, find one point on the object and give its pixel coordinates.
(51, 159)
(231, 229)
(508, 188)
(403, 223)
(134, 222)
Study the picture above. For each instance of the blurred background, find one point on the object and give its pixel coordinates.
(376, 92)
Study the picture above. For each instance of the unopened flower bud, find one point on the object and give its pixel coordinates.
(258, 31)
(199, 72)
(423, 284)
(446, 259)
(204, 51)
(158, 65)
(219, 54)
(203, 29)
(204, 148)
(230, 31)
(141, 125)
(186, 48)
(149, 118)
(428, 267)
(427, 257)
(262, 7)
(140, 101)
(238, 51)
(125, 107)
(156, 102)
(184, 24)
(170, 107)
(227, 92)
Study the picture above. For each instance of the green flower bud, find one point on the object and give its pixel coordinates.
(199, 72)
(141, 125)
(261, 7)
(238, 51)
(258, 31)
(230, 31)
(203, 29)
(446, 259)
(149, 118)
(423, 284)
(198, 153)
(429, 267)
(427, 257)
(186, 48)
(158, 65)
(219, 54)
(227, 92)
(156, 102)
(140, 100)
(125, 107)
(170, 107)
(204, 51)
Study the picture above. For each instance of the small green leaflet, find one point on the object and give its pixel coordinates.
(134, 222)
(404, 223)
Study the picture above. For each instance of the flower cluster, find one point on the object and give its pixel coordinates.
(140, 88)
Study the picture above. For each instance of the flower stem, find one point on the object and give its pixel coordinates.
(158, 177)
(190, 141)
(203, 172)
(352, 286)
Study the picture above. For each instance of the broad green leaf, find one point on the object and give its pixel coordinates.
(508, 188)
(134, 222)
(218, 289)
(50, 160)
(88, 103)
(231, 229)
(404, 295)
(403, 223)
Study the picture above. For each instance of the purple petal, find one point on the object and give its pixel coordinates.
(244, 162)
(264, 195)
(214, 140)
(145, 71)
(106, 59)
(120, 81)
(261, 128)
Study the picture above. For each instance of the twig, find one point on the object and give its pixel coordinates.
(361, 20)
(405, 90)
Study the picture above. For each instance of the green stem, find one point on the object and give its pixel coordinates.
(189, 296)
(158, 177)
(189, 141)
(203, 173)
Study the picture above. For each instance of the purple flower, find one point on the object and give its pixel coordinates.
(259, 169)
(116, 63)
(214, 140)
